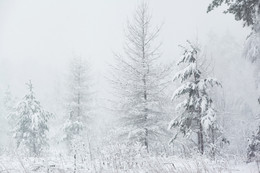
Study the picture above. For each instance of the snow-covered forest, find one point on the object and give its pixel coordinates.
(130, 86)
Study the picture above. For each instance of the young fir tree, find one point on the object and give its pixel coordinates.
(197, 114)
(32, 126)
(253, 149)
(78, 102)
(140, 81)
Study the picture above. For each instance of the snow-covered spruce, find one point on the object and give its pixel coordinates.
(32, 125)
(196, 111)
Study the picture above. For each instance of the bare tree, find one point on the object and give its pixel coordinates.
(78, 101)
(139, 80)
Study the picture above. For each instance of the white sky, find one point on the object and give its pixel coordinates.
(38, 37)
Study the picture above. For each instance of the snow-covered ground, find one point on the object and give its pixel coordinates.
(143, 165)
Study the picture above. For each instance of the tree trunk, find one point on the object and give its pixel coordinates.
(78, 99)
(213, 142)
(146, 140)
(257, 164)
(200, 139)
(144, 79)
(75, 162)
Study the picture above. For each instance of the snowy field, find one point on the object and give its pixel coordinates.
(62, 164)
(130, 86)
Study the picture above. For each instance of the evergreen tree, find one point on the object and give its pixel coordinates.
(140, 81)
(78, 102)
(32, 125)
(197, 114)
(245, 10)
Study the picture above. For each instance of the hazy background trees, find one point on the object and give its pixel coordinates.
(78, 103)
(141, 85)
(249, 13)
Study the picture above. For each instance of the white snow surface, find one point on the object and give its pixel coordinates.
(160, 164)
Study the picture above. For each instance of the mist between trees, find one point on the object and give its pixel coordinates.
(204, 106)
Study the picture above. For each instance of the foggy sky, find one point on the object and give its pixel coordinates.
(37, 38)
